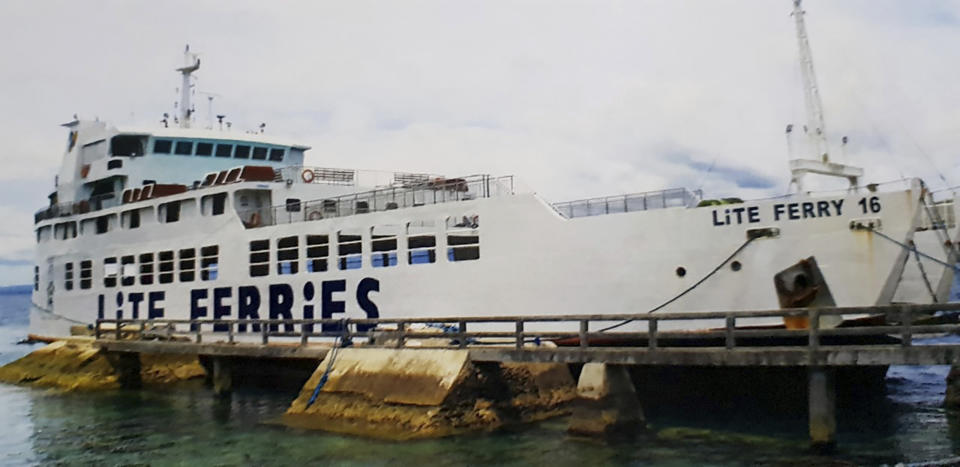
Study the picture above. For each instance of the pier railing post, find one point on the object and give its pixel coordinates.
(96, 330)
(652, 332)
(230, 331)
(303, 334)
(731, 324)
(116, 329)
(584, 326)
(813, 341)
(519, 334)
(401, 333)
(906, 323)
(264, 329)
(462, 328)
(199, 331)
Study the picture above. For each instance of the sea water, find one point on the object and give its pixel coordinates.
(185, 424)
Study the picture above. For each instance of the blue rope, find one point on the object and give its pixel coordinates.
(326, 373)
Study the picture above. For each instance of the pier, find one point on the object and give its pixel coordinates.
(605, 356)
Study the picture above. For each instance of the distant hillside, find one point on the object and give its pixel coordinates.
(16, 289)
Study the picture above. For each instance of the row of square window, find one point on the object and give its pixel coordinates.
(199, 148)
(133, 269)
(421, 249)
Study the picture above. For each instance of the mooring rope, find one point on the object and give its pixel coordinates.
(689, 289)
(326, 373)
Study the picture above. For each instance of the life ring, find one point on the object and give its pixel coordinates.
(254, 220)
(315, 215)
(307, 176)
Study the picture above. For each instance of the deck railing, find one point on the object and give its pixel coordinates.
(674, 197)
(382, 199)
(586, 330)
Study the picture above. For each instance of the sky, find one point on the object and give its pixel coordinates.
(576, 98)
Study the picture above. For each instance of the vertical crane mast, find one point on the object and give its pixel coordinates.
(190, 64)
(815, 129)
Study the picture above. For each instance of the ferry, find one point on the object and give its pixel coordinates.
(181, 222)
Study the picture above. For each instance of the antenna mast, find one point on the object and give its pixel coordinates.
(190, 64)
(814, 129)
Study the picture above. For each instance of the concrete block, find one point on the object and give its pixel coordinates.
(606, 404)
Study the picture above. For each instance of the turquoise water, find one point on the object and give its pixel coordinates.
(187, 425)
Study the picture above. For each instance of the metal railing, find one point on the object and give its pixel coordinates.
(674, 197)
(518, 331)
(95, 203)
(382, 199)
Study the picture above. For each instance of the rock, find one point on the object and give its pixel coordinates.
(426, 393)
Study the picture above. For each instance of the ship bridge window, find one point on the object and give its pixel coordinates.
(383, 245)
(68, 276)
(350, 249)
(162, 146)
(110, 271)
(130, 219)
(146, 269)
(421, 242)
(242, 152)
(104, 223)
(128, 270)
(276, 154)
(259, 153)
(188, 264)
(128, 145)
(43, 233)
(463, 238)
(204, 149)
(165, 266)
(209, 262)
(259, 258)
(213, 205)
(65, 230)
(287, 255)
(169, 212)
(318, 250)
(86, 274)
(224, 150)
(183, 148)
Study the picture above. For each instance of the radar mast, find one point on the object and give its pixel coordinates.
(190, 64)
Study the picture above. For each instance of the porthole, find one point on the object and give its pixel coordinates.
(681, 271)
(736, 266)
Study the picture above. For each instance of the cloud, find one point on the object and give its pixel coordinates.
(577, 99)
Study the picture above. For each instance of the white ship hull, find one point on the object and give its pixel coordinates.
(532, 260)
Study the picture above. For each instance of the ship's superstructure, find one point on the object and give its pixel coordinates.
(197, 223)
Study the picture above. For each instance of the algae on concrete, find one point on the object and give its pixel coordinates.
(76, 364)
(427, 393)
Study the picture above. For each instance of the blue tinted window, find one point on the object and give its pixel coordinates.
(184, 148)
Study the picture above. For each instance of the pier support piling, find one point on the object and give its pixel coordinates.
(822, 408)
(606, 403)
(952, 398)
(222, 376)
(127, 366)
